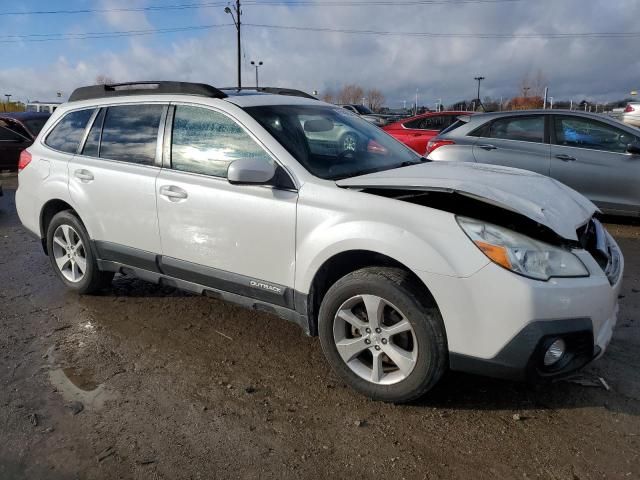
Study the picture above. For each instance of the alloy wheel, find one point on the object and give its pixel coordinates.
(69, 253)
(375, 339)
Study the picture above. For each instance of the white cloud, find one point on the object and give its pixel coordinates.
(603, 69)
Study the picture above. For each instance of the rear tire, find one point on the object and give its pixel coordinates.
(71, 256)
(362, 347)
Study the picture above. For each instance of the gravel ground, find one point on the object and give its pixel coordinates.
(148, 382)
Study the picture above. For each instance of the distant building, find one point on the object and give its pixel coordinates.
(44, 107)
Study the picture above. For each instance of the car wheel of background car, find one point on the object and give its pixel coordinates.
(349, 142)
(383, 335)
(71, 256)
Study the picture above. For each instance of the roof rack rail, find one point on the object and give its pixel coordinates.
(273, 90)
(145, 88)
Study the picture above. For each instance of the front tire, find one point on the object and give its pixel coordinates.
(71, 256)
(383, 335)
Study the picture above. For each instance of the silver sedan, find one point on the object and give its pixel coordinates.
(593, 154)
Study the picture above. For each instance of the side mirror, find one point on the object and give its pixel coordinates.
(633, 148)
(251, 171)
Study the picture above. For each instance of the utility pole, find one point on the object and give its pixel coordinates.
(416, 111)
(256, 64)
(546, 93)
(237, 23)
(526, 91)
(478, 79)
(6, 105)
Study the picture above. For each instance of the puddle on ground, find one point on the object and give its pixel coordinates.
(73, 385)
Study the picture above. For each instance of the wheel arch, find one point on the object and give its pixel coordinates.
(343, 263)
(48, 211)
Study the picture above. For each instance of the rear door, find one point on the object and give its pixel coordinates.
(517, 141)
(112, 181)
(590, 156)
(235, 238)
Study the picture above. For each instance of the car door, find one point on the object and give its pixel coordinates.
(590, 156)
(516, 141)
(113, 178)
(234, 238)
(11, 144)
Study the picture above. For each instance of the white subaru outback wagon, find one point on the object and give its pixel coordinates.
(403, 267)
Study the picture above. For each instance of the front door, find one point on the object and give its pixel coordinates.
(235, 238)
(517, 141)
(590, 157)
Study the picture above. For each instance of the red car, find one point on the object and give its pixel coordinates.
(417, 131)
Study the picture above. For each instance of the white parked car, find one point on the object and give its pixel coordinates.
(403, 268)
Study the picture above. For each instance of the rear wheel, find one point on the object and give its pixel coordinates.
(383, 335)
(71, 256)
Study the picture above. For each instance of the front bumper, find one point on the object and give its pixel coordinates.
(500, 324)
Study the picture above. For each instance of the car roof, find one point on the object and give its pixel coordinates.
(20, 116)
(264, 99)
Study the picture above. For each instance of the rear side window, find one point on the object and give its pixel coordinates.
(453, 126)
(130, 133)
(206, 142)
(436, 122)
(524, 129)
(7, 135)
(67, 134)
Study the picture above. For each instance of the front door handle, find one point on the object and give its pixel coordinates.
(487, 147)
(173, 193)
(85, 176)
(565, 158)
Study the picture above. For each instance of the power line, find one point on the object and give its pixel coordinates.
(51, 37)
(46, 37)
(451, 35)
(258, 3)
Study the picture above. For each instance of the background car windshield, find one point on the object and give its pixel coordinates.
(332, 143)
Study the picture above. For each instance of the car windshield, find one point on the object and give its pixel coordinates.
(35, 124)
(331, 142)
(362, 110)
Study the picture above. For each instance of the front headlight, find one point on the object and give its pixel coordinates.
(522, 254)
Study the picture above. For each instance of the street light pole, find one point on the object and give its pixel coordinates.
(237, 23)
(6, 105)
(256, 64)
(478, 79)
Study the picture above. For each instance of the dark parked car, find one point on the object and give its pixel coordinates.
(17, 132)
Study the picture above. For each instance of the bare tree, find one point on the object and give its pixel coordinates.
(351, 94)
(103, 79)
(328, 97)
(376, 99)
(533, 85)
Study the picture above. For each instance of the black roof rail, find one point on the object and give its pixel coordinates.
(273, 90)
(145, 88)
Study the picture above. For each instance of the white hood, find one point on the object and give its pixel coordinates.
(542, 199)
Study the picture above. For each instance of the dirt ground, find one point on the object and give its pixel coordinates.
(148, 382)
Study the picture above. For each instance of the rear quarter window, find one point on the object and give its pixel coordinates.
(67, 134)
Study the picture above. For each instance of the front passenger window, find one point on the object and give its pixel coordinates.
(206, 142)
(591, 134)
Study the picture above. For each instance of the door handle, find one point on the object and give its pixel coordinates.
(487, 147)
(173, 193)
(565, 158)
(85, 176)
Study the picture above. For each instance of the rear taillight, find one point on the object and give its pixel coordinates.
(25, 159)
(437, 143)
(629, 109)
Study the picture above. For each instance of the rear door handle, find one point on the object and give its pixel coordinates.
(565, 158)
(85, 176)
(487, 146)
(173, 193)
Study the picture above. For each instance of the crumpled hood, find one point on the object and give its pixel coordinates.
(540, 198)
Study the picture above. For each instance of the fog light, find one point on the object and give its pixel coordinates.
(554, 352)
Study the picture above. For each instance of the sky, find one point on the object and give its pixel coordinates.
(440, 66)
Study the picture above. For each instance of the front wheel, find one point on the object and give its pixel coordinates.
(71, 255)
(383, 335)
